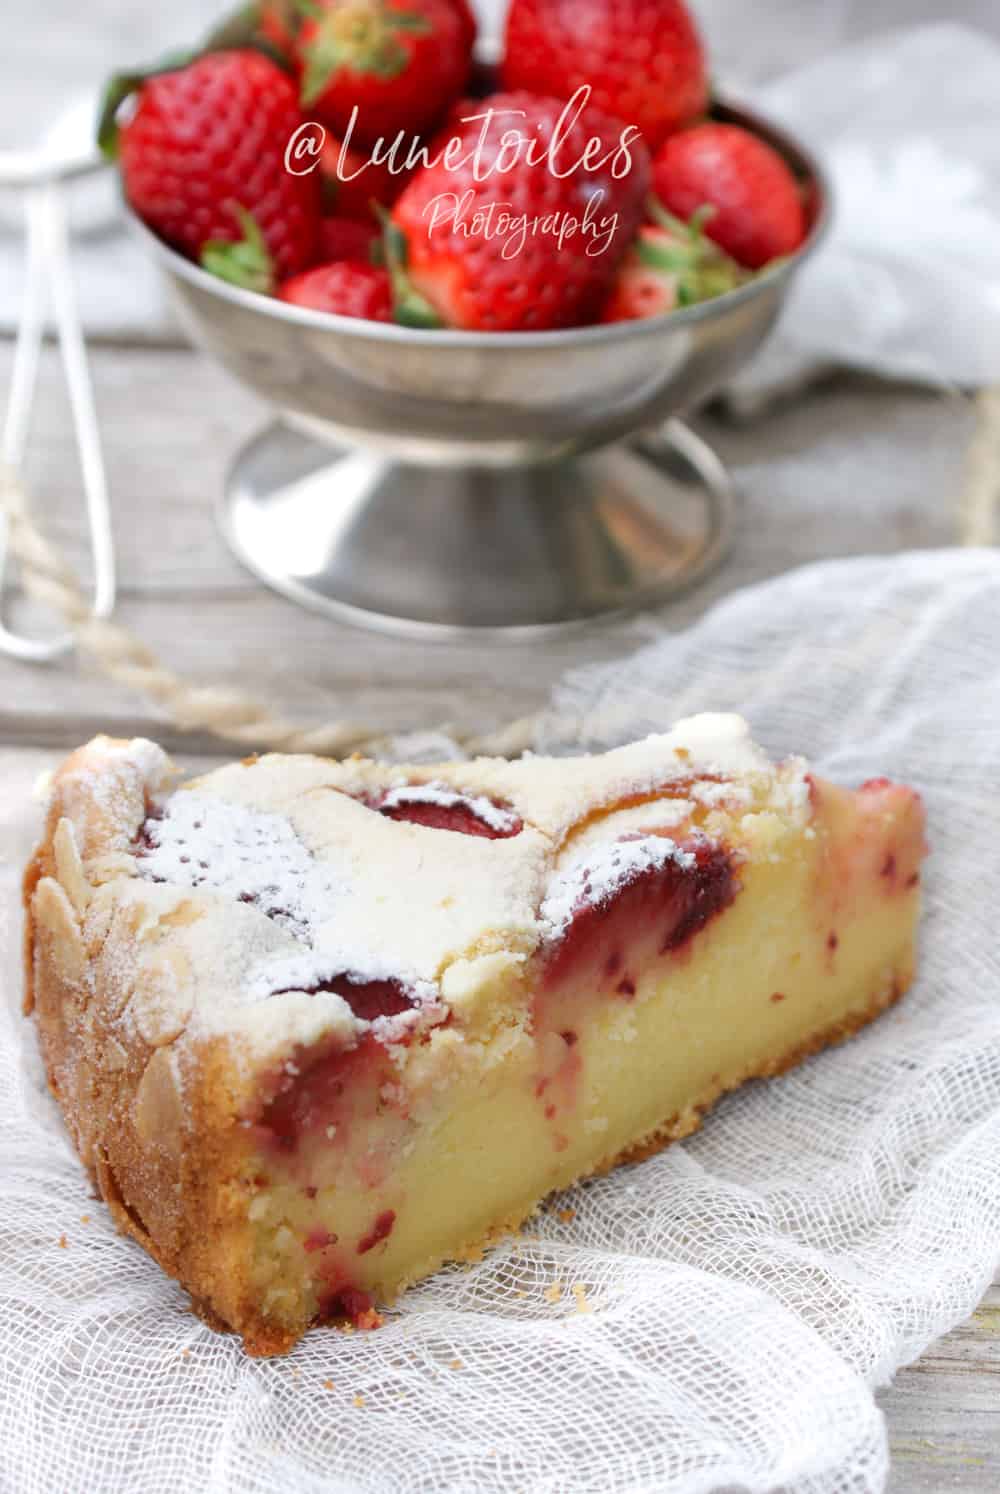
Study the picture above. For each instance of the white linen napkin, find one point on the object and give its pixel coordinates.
(908, 282)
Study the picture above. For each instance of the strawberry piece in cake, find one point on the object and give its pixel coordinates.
(318, 1027)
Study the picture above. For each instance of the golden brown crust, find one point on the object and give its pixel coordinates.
(42, 864)
(160, 1165)
(33, 874)
(166, 1176)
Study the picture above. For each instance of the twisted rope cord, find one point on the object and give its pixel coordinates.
(981, 495)
(231, 715)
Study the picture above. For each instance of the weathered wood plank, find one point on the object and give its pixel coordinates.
(944, 1412)
(855, 467)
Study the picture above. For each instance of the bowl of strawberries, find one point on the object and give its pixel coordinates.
(478, 284)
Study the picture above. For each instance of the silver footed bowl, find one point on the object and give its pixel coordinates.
(435, 482)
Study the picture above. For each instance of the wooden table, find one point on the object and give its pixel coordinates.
(851, 467)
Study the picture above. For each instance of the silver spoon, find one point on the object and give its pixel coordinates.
(66, 151)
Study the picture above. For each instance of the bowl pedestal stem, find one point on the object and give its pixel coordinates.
(454, 552)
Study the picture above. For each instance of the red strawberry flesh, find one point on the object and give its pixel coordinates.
(344, 288)
(368, 999)
(380, 1230)
(450, 812)
(656, 913)
(346, 238)
(352, 181)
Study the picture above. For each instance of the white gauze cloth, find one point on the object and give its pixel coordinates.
(724, 1310)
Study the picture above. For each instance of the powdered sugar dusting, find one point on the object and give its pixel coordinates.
(125, 767)
(304, 972)
(503, 821)
(251, 856)
(594, 875)
(401, 1006)
(653, 817)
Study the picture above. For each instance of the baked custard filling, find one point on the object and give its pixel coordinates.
(319, 1027)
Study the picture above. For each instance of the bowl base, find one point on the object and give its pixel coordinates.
(466, 552)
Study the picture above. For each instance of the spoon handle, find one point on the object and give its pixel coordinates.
(50, 273)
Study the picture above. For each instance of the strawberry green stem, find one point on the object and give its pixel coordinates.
(410, 308)
(244, 262)
(361, 38)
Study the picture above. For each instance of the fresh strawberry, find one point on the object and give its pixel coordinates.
(671, 264)
(522, 248)
(640, 292)
(642, 60)
(759, 213)
(470, 25)
(400, 62)
(203, 162)
(346, 238)
(278, 22)
(347, 288)
(352, 182)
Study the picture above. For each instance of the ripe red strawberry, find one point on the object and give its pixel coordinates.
(346, 238)
(347, 288)
(470, 25)
(352, 181)
(759, 211)
(524, 248)
(278, 22)
(400, 62)
(203, 162)
(671, 264)
(642, 59)
(640, 292)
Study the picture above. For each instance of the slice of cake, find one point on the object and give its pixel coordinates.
(318, 1027)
